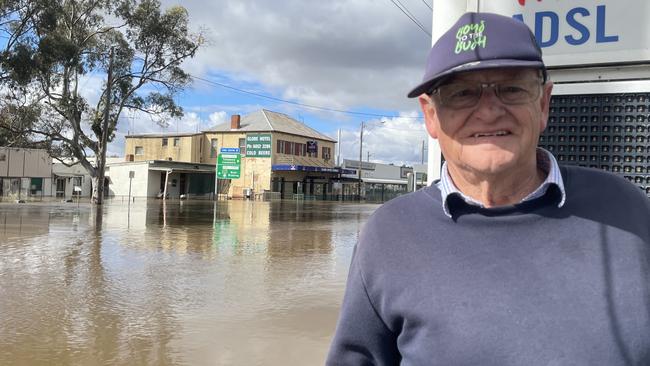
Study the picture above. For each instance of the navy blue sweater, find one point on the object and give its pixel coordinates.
(529, 284)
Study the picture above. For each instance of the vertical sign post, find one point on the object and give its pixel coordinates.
(131, 176)
(128, 217)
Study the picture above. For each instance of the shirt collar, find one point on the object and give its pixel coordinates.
(545, 161)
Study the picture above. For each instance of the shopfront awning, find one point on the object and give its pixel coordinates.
(67, 175)
(383, 181)
(307, 168)
(181, 167)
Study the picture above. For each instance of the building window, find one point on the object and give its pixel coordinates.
(60, 187)
(279, 147)
(300, 149)
(177, 141)
(164, 141)
(36, 186)
(327, 153)
(213, 148)
(242, 146)
(139, 150)
(291, 148)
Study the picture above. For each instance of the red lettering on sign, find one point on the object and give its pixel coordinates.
(523, 2)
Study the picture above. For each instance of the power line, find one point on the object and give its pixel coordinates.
(410, 16)
(427, 4)
(406, 12)
(403, 129)
(212, 82)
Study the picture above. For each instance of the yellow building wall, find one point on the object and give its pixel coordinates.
(188, 148)
(255, 174)
(196, 148)
(224, 139)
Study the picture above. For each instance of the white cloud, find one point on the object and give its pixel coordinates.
(389, 140)
(91, 87)
(339, 54)
(218, 117)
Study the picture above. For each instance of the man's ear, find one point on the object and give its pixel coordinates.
(545, 103)
(430, 118)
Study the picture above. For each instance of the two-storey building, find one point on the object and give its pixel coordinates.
(268, 152)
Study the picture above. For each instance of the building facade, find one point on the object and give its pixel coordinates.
(270, 152)
(186, 147)
(382, 182)
(25, 174)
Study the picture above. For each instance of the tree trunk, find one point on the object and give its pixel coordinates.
(100, 174)
(103, 142)
(98, 190)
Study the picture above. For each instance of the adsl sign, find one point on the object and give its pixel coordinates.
(583, 31)
(576, 20)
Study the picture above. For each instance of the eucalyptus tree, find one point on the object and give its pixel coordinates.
(54, 47)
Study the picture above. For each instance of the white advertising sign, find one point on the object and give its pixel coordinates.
(581, 31)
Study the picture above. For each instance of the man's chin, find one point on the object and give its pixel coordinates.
(492, 167)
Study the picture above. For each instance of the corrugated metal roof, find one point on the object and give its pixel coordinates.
(175, 134)
(267, 121)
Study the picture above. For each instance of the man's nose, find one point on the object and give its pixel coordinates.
(489, 106)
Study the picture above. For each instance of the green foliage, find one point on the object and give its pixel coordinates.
(15, 118)
(52, 44)
(20, 64)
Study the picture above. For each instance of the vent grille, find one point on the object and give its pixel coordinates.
(605, 131)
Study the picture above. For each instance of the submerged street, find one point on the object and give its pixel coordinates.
(175, 283)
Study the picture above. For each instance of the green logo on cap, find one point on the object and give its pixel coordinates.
(470, 36)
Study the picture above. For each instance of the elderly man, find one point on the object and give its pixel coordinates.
(509, 259)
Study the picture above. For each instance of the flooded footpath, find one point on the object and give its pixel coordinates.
(175, 283)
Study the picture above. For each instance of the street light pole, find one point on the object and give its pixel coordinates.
(360, 160)
(422, 152)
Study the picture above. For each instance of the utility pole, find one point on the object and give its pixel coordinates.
(338, 149)
(368, 159)
(360, 160)
(422, 152)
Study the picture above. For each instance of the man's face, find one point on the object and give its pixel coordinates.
(490, 137)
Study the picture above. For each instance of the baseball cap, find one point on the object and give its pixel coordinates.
(479, 41)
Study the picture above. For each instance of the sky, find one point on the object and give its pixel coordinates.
(360, 56)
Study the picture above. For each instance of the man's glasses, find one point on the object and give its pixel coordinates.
(460, 94)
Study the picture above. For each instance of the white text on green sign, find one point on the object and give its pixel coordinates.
(258, 145)
(228, 166)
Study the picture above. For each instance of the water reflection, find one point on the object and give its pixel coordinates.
(169, 283)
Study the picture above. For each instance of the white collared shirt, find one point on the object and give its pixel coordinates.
(545, 161)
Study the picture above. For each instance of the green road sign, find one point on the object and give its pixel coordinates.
(228, 166)
(258, 145)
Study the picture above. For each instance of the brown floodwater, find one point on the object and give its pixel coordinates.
(176, 283)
